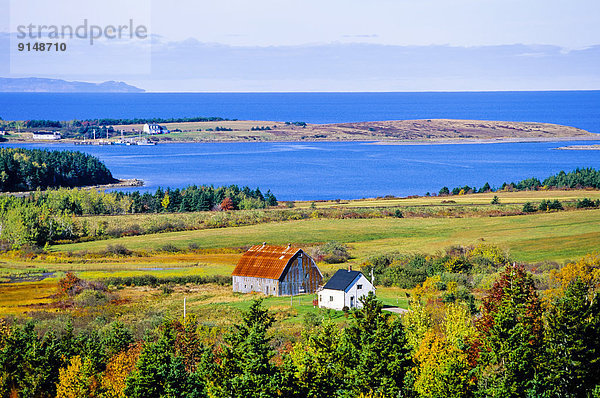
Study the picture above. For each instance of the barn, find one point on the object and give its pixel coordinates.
(345, 289)
(276, 271)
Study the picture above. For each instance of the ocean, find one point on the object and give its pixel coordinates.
(327, 170)
(574, 108)
(335, 170)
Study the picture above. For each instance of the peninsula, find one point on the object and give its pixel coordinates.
(223, 130)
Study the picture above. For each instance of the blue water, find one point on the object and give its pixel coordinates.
(575, 108)
(331, 170)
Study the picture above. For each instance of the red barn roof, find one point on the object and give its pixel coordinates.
(265, 261)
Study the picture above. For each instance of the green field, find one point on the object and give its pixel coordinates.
(556, 236)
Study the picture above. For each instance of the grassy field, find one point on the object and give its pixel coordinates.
(555, 236)
(459, 200)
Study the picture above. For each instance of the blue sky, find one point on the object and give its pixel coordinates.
(352, 45)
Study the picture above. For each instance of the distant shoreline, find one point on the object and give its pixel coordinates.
(450, 141)
(580, 148)
(388, 132)
(122, 183)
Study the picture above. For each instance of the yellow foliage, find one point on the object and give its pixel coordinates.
(587, 269)
(428, 289)
(418, 321)
(77, 380)
(442, 369)
(458, 325)
(451, 287)
(490, 252)
(118, 368)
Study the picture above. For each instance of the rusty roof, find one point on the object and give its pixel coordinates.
(265, 261)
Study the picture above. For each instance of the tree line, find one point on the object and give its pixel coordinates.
(30, 169)
(578, 178)
(47, 216)
(513, 346)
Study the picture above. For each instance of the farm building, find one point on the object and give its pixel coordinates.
(276, 271)
(154, 128)
(344, 289)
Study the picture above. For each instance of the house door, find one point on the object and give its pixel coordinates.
(351, 301)
(267, 290)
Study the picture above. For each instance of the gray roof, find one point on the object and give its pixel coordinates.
(342, 279)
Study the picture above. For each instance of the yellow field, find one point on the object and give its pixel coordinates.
(472, 199)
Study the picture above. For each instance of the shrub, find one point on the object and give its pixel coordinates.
(118, 250)
(585, 202)
(332, 253)
(170, 248)
(91, 298)
(71, 285)
(528, 208)
(495, 200)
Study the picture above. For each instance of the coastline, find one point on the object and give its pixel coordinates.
(448, 141)
(386, 132)
(122, 183)
(593, 147)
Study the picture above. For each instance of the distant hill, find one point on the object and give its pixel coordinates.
(41, 85)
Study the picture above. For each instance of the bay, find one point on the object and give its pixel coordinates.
(335, 170)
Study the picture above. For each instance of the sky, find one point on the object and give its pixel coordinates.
(337, 45)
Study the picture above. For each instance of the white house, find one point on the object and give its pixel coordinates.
(46, 136)
(154, 128)
(344, 289)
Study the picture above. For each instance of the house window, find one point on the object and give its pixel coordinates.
(359, 287)
(330, 298)
(321, 297)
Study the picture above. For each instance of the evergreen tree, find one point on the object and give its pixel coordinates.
(510, 335)
(376, 352)
(573, 342)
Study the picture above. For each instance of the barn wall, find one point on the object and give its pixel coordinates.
(247, 284)
(302, 272)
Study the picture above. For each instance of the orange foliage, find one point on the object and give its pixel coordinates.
(67, 284)
(227, 204)
(118, 368)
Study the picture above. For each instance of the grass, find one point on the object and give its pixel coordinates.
(16, 298)
(472, 199)
(556, 236)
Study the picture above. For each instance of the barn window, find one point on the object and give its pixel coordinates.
(330, 298)
(359, 287)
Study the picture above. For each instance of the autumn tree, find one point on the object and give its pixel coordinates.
(78, 380)
(510, 332)
(227, 204)
(118, 368)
